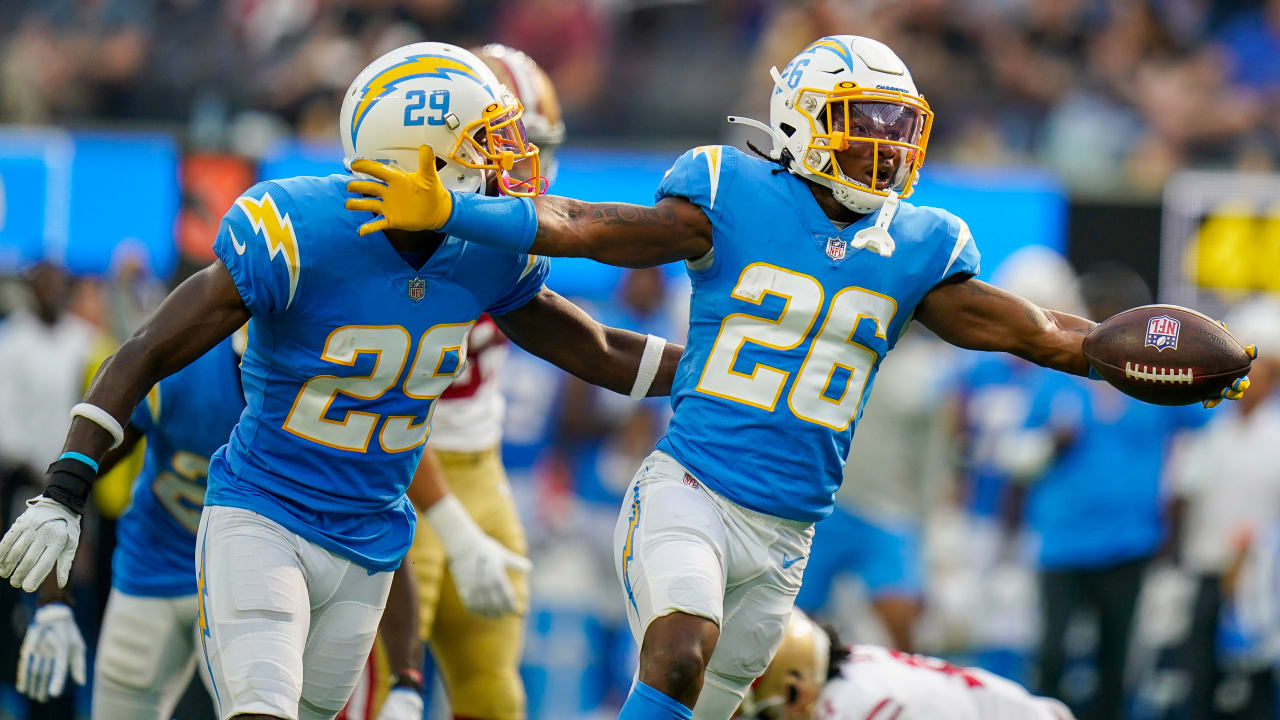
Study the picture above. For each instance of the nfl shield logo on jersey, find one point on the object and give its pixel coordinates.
(836, 248)
(1162, 333)
(417, 289)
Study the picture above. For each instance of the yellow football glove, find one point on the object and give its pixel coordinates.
(404, 201)
(1236, 390)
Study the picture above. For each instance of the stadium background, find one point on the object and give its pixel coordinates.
(1142, 133)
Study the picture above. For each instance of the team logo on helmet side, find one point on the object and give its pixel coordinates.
(1162, 333)
(831, 44)
(415, 66)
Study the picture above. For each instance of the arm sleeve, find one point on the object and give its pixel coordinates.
(258, 243)
(701, 176)
(528, 274)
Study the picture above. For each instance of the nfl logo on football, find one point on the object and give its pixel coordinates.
(1162, 333)
(836, 248)
(417, 289)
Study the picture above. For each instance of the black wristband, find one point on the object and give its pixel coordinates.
(408, 678)
(70, 482)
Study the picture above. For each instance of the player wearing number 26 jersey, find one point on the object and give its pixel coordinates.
(787, 326)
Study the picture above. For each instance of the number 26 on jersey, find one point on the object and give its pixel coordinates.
(832, 354)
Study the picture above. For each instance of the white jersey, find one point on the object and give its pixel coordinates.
(876, 683)
(468, 416)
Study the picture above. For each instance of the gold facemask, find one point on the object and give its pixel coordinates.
(889, 122)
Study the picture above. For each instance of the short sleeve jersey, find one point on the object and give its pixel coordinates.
(348, 349)
(789, 320)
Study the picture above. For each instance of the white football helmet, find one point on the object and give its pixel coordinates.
(439, 95)
(530, 83)
(846, 92)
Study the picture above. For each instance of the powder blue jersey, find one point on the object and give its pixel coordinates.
(186, 417)
(788, 323)
(348, 348)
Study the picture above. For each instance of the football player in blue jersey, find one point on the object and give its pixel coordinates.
(806, 267)
(352, 339)
(147, 649)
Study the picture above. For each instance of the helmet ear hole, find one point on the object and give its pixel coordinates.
(441, 163)
(787, 129)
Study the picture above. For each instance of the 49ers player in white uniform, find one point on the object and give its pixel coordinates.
(868, 682)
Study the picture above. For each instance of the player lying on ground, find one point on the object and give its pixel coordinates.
(806, 266)
(814, 677)
(352, 339)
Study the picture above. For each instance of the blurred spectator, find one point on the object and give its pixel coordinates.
(567, 38)
(1096, 505)
(43, 350)
(1113, 95)
(1227, 481)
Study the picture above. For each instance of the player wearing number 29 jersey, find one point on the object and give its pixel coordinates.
(788, 323)
(344, 322)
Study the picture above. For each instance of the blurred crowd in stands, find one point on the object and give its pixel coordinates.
(1112, 94)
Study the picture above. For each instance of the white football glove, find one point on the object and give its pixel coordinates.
(477, 562)
(47, 532)
(52, 644)
(402, 703)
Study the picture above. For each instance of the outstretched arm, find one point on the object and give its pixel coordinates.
(977, 316)
(200, 313)
(612, 233)
(621, 234)
(563, 334)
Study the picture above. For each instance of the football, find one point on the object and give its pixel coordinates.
(1165, 354)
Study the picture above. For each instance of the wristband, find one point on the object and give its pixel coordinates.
(70, 481)
(102, 419)
(407, 678)
(650, 360)
(505, 223)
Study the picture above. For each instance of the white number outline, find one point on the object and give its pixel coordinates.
(882, 327)
(391, 354)
(826, 337)
(426, 386)
(779, 375)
